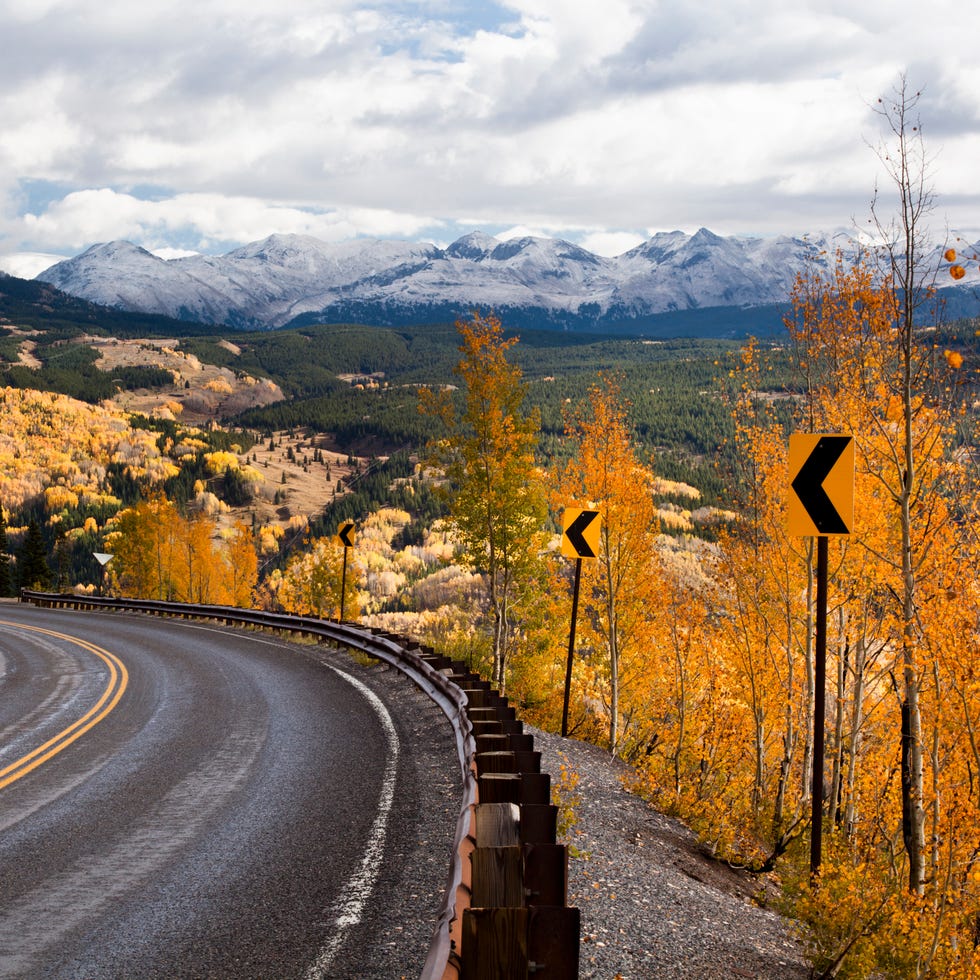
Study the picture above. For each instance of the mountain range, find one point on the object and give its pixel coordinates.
(672, 284)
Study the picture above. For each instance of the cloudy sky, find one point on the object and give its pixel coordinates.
(199, 126)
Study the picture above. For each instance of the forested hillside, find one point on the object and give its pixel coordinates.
(330, 404)
(360, 384)
(68, 468)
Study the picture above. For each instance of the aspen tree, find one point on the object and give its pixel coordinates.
(867, 338)
(496, 491)
(144, 543)
(606, 472)
(311, 583)
(769, 601)
(904, 250)
(195, 573)
(241, 566)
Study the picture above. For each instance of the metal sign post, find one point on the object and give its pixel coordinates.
(345, 536)
(579, 539)
(820, 503)
(571, 649)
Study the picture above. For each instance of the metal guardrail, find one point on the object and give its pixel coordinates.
(514, 925)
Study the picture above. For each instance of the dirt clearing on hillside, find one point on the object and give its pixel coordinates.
(201, 393)
(301, 472)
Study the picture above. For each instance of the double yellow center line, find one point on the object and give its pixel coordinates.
(118, 680)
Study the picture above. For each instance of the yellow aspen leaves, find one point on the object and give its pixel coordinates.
(494, 487)
(159, 554)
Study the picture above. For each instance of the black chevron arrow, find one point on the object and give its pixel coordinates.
(576, 531)
(808, 484)
(344, 533)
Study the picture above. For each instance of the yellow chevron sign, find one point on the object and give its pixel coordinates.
(580, 533)
(821, 489)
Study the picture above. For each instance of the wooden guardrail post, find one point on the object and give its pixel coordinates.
(495, 944)
(545, 874)
(517, 925)
(553, 942)
(535, 787)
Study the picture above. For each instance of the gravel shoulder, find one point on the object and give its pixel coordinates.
(653, 905)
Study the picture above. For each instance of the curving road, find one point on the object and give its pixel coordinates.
(184, 800)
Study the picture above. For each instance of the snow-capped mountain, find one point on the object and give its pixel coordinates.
(540, 281)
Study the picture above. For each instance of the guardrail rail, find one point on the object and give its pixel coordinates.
(505, 913)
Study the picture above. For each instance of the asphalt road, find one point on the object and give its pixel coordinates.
(183, 800)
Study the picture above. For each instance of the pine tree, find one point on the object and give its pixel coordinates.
(6, 583)
(34, 570)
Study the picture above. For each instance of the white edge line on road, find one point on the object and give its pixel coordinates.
(362, 882)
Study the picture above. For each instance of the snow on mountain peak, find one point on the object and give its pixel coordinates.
(271, 282)
(475, 246)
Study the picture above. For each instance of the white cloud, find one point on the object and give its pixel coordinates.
(26, 265)
(104, 215)
(611, 243)
(195, 126)
(37, 135)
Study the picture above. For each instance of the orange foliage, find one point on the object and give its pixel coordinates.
(728, 697)
(158, 554)
(311, 583)
(622, 585)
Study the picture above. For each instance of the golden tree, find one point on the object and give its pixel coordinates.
(311, 583)
(495, 489)
(766, 596)
(871, 369)
(160, 554)
(241, 566)
(144, 543)
(620, 586)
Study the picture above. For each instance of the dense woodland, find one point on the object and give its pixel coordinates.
(694, 659)
(671, 384)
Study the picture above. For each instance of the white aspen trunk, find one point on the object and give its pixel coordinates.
(837, 765)
(857, 724)
(913, 795)
(789, 731)
(613, 640)
(680, 702)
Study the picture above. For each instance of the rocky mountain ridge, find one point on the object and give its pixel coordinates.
(294, 279)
